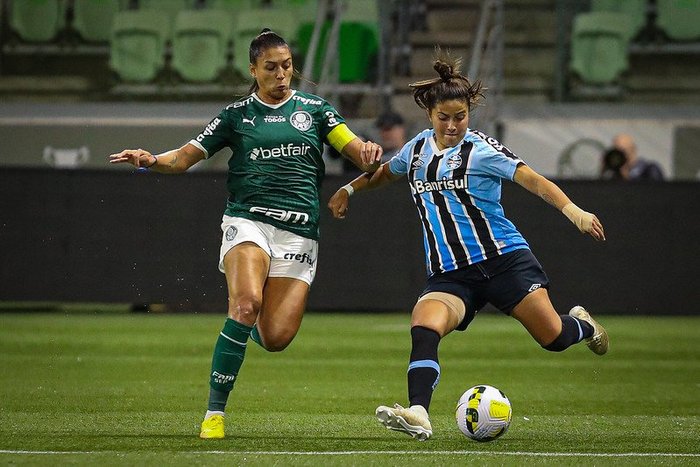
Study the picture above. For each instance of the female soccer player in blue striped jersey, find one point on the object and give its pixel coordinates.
(474, 254)
(270, 226)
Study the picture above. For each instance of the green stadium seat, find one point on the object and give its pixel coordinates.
(37, 20)
(167, 8)
(249, 23)
(200, 44)
(679, 19)
(599, 47)
(137, 44)
(92, 19)
(634, 10)
(358, 42)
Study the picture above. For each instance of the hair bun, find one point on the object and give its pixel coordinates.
(264, 30)
(445, 70)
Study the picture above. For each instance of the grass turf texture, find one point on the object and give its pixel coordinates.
(124, 389)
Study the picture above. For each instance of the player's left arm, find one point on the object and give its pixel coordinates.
(366, 155)
(539, 185)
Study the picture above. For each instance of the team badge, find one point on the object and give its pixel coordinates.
(454, 161)
(231, 233)
(301, 120)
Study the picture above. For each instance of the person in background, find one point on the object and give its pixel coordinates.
(474, 254)
(635, 168)
(270, 226)
(392, 133)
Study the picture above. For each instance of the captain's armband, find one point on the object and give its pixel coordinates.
(340, 136)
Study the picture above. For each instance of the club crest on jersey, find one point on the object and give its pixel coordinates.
(454, 161)
(301, 120)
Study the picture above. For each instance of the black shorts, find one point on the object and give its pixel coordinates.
(502, 281)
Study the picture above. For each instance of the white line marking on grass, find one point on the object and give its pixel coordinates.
(351, 453)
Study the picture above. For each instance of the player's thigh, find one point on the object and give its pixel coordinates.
(284, 302)
(246, 266)
(436, 315)
(537, 314)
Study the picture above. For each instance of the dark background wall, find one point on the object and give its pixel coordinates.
(118, 236)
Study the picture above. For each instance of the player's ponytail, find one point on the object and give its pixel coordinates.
(450, 84)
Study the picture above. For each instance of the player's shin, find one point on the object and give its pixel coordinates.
(424, 369)
(573, 331)
(226, 362)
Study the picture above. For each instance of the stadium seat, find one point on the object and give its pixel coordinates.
(634, 10)
(679, 19)
(37, 20)
(92, 19)
(358, 41)
(599, 47)
(137, 44)
(200, 44)
(249, 23)
(167, 8)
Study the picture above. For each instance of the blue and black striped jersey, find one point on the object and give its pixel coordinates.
(457, 192)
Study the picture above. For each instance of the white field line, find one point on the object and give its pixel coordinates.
(393, 453)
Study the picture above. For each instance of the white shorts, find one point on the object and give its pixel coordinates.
(291, 255)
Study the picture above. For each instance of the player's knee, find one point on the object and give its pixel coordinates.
(245, 308)
(277, 342)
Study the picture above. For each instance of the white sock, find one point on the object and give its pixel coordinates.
(213, 412)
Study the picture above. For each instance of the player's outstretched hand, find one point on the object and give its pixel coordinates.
(135, 157)
(595, 228)
(339, 203)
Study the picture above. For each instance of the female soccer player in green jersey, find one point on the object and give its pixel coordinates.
(270, 226)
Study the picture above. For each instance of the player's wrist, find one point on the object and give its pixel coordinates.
(575, 214)
(155, 161)
(350, 190)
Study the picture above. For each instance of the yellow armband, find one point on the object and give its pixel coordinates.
(340, 136)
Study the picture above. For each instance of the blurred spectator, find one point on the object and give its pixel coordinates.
(635, 168)
(392, 133)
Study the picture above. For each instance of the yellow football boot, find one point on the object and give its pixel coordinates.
(212, 427)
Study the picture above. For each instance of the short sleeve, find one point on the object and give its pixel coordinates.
(330, 119)
(496, 158)
(215, 136)
(398, 165)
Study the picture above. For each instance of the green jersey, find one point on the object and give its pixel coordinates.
(275, 172)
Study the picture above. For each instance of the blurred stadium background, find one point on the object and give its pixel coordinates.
(81, 79)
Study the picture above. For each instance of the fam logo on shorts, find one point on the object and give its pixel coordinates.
(301, 120)
(231, 233)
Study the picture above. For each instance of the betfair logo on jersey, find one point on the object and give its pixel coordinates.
(282, 215)
(209, 130)
(420, 186)
(274, 119)
(280, 151)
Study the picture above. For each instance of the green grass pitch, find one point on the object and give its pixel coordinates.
(131, 389)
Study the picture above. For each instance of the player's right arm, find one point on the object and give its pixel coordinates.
(170, 162)
(338, 204)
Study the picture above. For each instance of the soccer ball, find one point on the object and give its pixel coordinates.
(483, 413)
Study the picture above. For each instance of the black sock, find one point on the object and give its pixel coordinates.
(423, 369)
(573, 331)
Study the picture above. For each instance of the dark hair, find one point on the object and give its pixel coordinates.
(263, 41)
(450, 85)
(388, 120)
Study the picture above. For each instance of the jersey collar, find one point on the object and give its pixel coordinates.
(274, 106)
